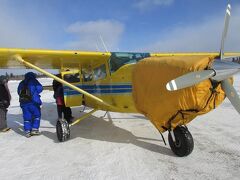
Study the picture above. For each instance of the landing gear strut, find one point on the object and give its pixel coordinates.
(182, 143)
(63, 130)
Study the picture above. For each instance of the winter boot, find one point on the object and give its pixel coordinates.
(5, 129)
(28, 134)
(35, 132)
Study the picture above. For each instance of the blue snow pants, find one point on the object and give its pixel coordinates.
(31, 116)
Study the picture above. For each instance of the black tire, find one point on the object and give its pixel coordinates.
(63, 130)
(184, 141)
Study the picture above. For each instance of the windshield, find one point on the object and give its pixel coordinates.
(118, 59)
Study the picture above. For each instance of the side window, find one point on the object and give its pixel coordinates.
(72, 78)
(87, 75)
(100, 72)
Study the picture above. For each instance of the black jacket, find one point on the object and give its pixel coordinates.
(58, 89)
(4, 96)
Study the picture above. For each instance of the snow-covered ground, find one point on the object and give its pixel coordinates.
(128, 147)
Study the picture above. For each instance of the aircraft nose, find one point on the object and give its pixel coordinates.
(153, 77)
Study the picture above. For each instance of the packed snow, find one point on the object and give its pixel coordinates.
(125, 146)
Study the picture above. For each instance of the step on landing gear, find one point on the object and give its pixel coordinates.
(181, 141)
(63, 130)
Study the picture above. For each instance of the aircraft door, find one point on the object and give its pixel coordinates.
(72, 97)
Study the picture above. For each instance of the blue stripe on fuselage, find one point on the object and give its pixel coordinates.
(100, 89)
(111, 86)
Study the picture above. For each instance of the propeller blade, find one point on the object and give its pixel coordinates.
(224, 69)
(224, 34)
(189, 79)
(231, 94)
(220, 71)
(223, 74)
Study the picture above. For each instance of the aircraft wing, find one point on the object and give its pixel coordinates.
(56, 59)
(50, 59)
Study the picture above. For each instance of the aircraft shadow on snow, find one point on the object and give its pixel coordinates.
(95, 128)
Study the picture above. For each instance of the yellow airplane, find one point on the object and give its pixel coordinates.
(170, 89)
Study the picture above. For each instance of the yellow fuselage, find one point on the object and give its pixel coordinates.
(115, 89)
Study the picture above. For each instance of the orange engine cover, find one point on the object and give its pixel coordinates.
(168, 109)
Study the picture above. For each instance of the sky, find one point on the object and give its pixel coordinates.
(126, 25)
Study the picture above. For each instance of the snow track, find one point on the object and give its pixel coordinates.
(128, 147)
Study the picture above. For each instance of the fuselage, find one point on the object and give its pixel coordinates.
(136, 83)
(111, 81)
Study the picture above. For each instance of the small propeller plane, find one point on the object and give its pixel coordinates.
(170, 89)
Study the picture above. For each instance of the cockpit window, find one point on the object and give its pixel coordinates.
(117, 59)
(99, 72)
(72, 78)
(87, 75)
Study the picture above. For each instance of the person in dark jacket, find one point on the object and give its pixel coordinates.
(29, 91)
(5, 99)
(59, 96)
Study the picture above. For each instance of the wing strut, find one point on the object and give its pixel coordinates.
(100, 101)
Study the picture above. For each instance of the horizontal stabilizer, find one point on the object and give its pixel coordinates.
(235, 59)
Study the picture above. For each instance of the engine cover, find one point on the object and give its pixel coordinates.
(168, 109)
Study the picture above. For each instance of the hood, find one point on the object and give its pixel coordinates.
(30, 75)
(3, 79)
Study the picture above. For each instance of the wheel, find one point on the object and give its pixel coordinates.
(184, 141)
(63, 130)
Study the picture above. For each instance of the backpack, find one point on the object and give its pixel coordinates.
(25, 94)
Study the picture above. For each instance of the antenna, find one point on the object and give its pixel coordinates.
(104, 45)
(97, 48)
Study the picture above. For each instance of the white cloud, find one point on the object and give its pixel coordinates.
(204, 36)
(16, 32)
(144, 5)
(88, 34)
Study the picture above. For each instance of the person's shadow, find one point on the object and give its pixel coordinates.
(15, 122)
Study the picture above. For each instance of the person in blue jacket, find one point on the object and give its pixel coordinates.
(29, 91)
